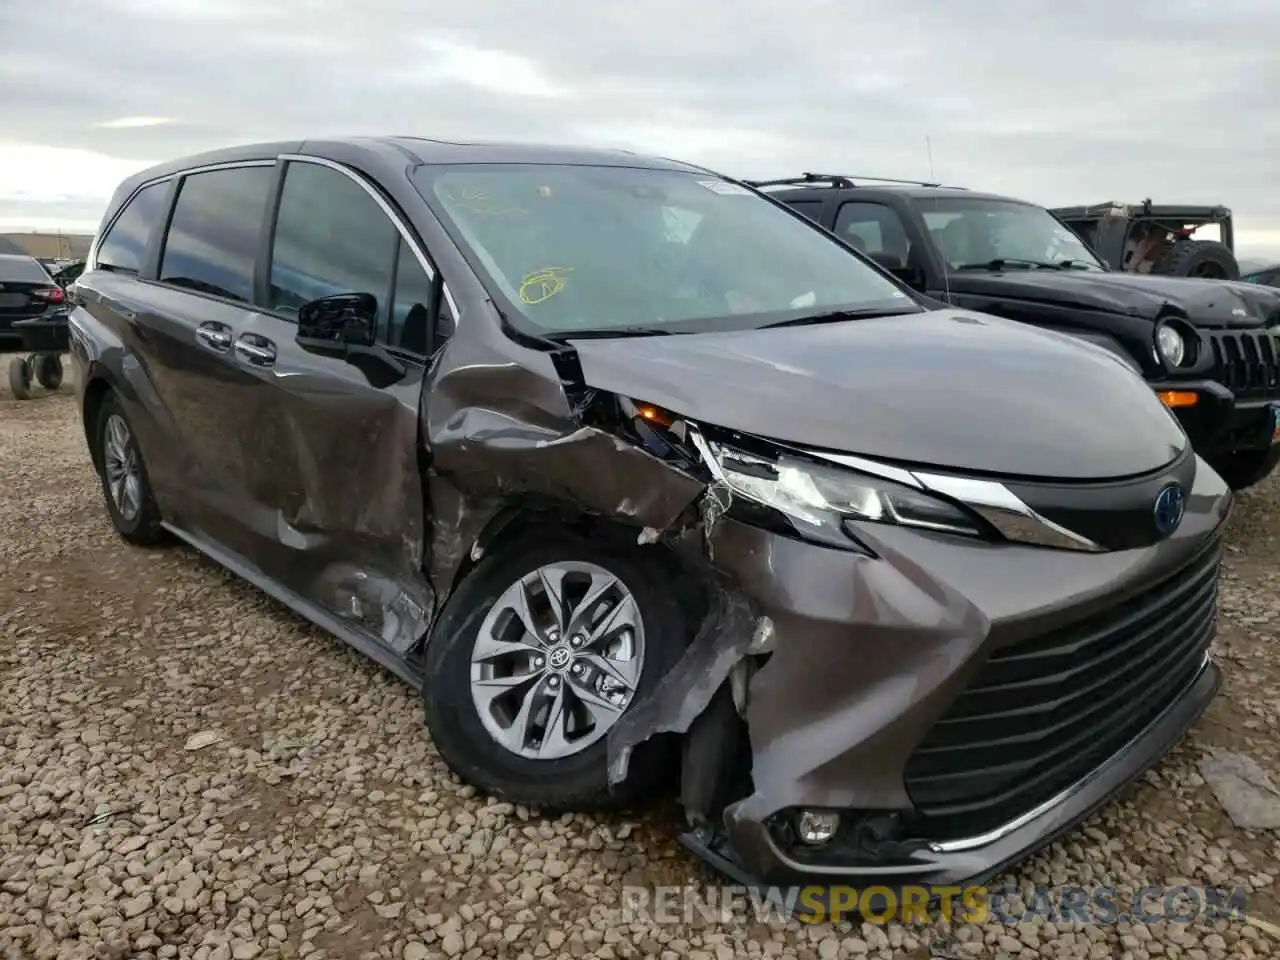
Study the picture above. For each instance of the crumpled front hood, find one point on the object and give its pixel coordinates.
(947, 388)
(1208, 303)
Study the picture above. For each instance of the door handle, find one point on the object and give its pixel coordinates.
(256, 350)
(215, 336)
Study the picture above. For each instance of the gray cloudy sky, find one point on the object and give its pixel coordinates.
(1057, 102)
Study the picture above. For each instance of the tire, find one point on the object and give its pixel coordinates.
(49, 371)
(1199, 258)
(140, 526)
(20, 378)
(1245, 468)
(578, 781)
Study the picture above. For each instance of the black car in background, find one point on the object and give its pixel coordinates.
(27, 292)
(1267, 276)
(1209, 348)
(33, 318)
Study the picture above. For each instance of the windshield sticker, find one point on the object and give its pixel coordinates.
(541, 285)
(725, 188)
(477, 201)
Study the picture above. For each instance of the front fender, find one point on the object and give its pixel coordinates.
(1104, 342)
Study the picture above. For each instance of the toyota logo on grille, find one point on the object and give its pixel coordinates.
(1169, 506)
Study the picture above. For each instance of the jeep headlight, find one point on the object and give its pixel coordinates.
(1170, 345)
(827, 496)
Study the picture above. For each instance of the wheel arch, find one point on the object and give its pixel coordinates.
(96, 390)
(526, 517)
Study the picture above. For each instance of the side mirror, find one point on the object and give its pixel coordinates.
(69, 274)
(339, 321)
(911, 276)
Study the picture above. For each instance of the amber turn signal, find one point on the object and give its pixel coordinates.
(647, 411)
(1179, 398)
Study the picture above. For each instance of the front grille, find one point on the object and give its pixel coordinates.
(1247, 362)
(1041, 713)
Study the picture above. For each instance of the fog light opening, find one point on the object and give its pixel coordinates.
(815, 828)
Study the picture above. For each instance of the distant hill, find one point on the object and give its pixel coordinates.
(1252, 264)
(73, 246)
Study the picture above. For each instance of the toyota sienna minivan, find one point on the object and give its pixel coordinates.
(644, 479)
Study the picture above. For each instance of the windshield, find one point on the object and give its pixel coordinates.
(593, 248)
(972, 230)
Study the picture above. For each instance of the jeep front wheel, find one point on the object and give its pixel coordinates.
(1245, 468)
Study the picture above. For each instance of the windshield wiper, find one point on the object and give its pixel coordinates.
(834, 316)
(1000, 263)
(606, 333)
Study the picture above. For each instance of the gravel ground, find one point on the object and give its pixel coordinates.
(321, 822)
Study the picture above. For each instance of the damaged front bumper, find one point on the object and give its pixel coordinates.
(1217, 421)
(956, 704)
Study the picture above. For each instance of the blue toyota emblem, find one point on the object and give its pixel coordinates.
(1170, 503)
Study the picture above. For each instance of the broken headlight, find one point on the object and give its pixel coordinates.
(826, 496)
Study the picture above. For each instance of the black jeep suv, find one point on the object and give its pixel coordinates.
(1210, 348)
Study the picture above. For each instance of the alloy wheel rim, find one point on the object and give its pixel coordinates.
(120, 464)
(557, 660)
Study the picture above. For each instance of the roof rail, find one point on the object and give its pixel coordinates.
(838, 180)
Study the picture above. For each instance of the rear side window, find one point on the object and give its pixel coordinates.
(23, 270)
(213, 235)
(125, 243)
(810, 208)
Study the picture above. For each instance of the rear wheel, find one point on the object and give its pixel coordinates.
(540, 652)
(125, 487)
(1245, 468)
(20, 378)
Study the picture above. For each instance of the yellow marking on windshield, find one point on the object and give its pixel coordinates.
(541, 285)
(477, 201)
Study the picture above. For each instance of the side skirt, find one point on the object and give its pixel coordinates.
(353, 636)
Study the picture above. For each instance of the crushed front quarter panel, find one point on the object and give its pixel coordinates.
(499, 430)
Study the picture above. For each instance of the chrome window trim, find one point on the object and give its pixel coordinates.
(405, 233)
(91, 262)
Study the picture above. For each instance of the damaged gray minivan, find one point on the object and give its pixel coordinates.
(645, 479)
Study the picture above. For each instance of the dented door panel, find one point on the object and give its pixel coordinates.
(333, 456)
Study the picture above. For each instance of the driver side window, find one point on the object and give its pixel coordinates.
(875, 229)
(332, 237)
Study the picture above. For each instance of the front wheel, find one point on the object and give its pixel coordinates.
(540, 652)
(1245, 468)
